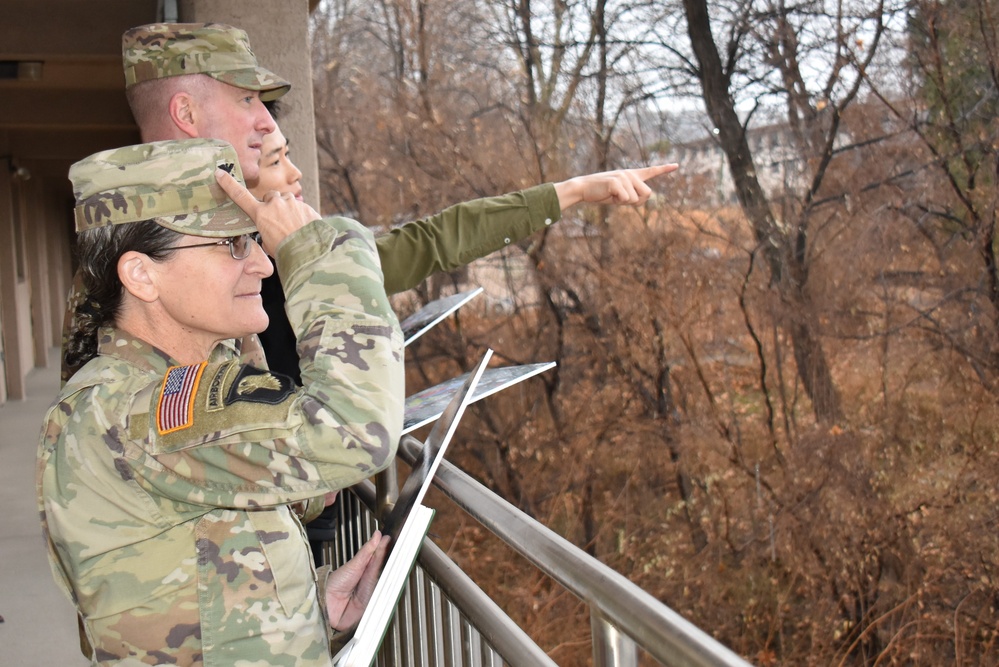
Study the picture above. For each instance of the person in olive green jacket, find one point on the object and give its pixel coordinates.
(443, 242)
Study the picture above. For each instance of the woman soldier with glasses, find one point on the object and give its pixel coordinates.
(166, 466)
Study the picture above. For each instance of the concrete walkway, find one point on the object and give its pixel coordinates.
(39, 627)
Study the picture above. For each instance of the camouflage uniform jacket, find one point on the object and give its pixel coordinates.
(164, 490)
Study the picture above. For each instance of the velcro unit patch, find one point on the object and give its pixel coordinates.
(176, 406)
(259, 386)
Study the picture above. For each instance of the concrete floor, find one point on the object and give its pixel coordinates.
(39, 626)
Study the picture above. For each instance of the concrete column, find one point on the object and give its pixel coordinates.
(23, 266)
(59, 258)
(279, 36)
(7, 327)
(10, 330)
(38, 232)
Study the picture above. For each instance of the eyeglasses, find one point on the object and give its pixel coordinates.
(239, 246)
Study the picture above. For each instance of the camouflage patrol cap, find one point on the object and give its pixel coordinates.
(161, 50)
(170, 182)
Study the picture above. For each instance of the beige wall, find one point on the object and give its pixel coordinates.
(269, 25)
(71, 105)
(35, 265)
(34, 272)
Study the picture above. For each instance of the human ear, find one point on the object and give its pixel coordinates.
(183, 111)
(138, 276)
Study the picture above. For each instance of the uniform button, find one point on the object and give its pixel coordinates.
(548, 221)
(506, 240)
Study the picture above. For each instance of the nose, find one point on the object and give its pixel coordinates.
(265, 122)
(258, 263)
(296, 173)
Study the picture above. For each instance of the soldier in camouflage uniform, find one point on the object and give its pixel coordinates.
(166, 467)
(188, 80)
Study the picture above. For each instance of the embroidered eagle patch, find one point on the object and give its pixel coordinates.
(259, 386)
(250, 384)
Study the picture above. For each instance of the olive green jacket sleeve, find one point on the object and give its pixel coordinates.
(462, 233)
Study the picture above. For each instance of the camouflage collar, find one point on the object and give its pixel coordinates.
(119, 344)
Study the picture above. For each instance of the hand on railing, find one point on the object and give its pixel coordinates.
(348, 588)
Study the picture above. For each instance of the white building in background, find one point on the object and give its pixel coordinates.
(779, 166)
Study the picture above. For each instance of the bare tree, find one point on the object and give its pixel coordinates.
(657, 444)
(950, 107)
(808, 60)
(409, 98)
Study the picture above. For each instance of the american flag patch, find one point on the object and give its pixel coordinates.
(176, 407)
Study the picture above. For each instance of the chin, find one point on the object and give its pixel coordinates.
(255, 326)
(262, 325)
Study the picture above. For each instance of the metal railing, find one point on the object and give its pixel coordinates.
(444, 618)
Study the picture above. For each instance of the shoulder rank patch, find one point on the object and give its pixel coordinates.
(259, 386)
(175, 409)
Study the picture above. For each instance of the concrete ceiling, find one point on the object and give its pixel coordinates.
(61, 85)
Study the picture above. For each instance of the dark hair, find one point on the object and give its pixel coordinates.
(274, 107)
(99, 303)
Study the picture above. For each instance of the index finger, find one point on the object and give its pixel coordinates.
(237, 192)
(645, 173)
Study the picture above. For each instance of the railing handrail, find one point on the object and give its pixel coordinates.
(508, 638)
(652, 625)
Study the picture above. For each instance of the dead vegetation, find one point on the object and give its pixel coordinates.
(677, 447)
(679, 439)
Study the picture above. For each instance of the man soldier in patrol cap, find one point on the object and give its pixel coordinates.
(166, 466)
(192, 81)
(200, 80)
